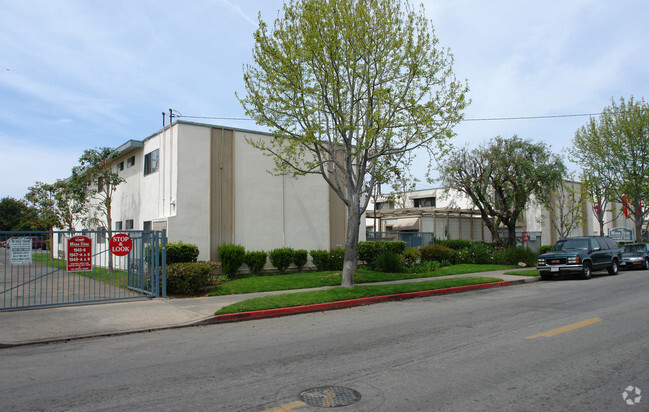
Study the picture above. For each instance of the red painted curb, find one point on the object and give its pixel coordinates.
(273, 313)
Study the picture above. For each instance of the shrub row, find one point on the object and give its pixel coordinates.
(232, 257)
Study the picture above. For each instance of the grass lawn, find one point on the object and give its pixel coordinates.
(528, 272)
(338, 294)
(267, 283)
(116, 278)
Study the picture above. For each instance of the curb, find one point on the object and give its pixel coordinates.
(343, 304)
(273, 313)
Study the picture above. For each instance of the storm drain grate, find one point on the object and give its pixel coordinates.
(330, 396)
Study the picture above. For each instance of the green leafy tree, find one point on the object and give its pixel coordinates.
(349, 89)
(42, 197)
(500, 178)
(597, 193)
(615, 147)
(11, 213)
(57, 205)
(566, 204)
(95, 183)
(16, 214)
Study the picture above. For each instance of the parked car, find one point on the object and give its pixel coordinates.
(635, 255)
(580, 255)
(37, 243)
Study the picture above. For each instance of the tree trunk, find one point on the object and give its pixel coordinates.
(511, 237)
(638, 229)
(350, 264)
(600, 220)
(109, 220)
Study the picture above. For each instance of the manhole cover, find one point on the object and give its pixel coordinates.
(330, 396)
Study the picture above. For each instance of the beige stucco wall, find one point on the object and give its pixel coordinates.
(190, 223)
(276, 211)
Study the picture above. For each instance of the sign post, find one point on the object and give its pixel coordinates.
(79, 254)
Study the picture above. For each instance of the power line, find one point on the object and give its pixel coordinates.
(531, 117)
(483, 119)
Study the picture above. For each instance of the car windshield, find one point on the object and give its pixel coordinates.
(571, 244)
(634, 248)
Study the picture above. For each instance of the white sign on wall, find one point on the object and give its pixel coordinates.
(21, 251)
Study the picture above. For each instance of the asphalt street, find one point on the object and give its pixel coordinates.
(561, 345)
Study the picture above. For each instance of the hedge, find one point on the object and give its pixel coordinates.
(281, 258)
(181, 252)
(231, 257)
(189, 278)
(255, 260)
(370, 249)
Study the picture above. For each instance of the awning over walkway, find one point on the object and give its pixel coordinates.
(410, 223)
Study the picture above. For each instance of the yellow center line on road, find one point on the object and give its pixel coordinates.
(287, 407)
(568, 328)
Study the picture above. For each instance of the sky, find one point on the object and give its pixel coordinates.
(80, 74)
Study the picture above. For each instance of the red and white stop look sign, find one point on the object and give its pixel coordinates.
(120, 244)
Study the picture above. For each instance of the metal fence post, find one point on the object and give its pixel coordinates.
(163, 272)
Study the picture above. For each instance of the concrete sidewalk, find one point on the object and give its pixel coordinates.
(24, 327)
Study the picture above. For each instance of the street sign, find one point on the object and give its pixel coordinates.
(120, 244)
(526, 237)
(79, 254)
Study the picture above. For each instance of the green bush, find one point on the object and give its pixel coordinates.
(281, 258)
(300, 258)
(477, 253)
(370, 249)
(545, 248)
(181, 252)
(513, 256)
(425, 267)
(389, 262)
(189, 278)
(411, 256)
(455, 244)
(255, 260)
(437, 252)
(320, 259)
(337, 259)
(231, 257)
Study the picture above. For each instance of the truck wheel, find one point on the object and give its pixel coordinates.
(613, 270)
(587, 272)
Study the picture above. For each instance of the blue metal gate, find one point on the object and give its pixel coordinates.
(39, 269)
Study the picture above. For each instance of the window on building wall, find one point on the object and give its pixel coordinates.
(100, 184)
(130, 162)
(425, 202)
(129, 224)
(120, 166)
(147, 225)
(118, 225)
(384, 205)
(151, 162)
